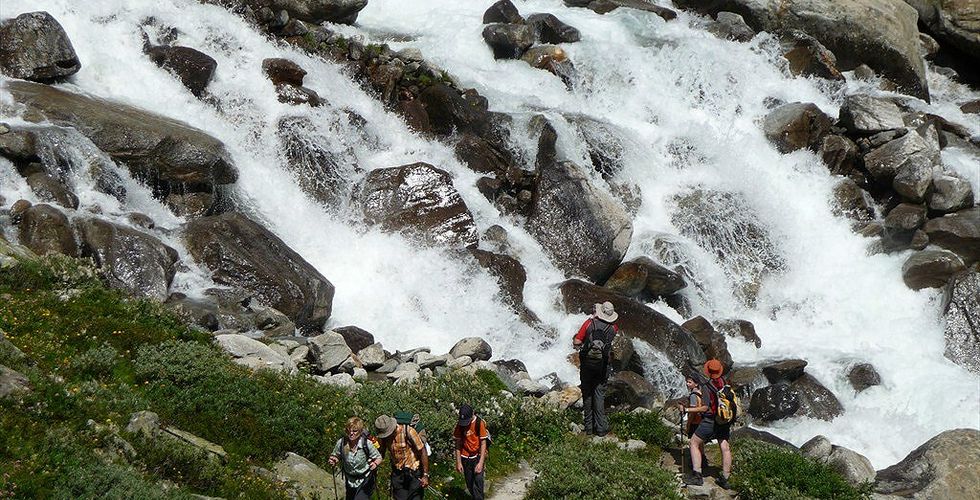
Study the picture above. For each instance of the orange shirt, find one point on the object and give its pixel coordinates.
(404, 446)
(471, 438)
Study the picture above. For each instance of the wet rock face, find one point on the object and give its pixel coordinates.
(508, 41)
(550, 29)
(943, 467)
(45, 230)
(862, 376)
(880, 33)
(49, 189)
(584, 229)
(958, 232)
(508, 270)
(33, 46)
(420, 200)
(801, 397)
(962, 318)
(502, 12)
(168, 155)
(636, 321)
(931, 269)
(130, 260)
(954, 22)
(796, 126)
(808, 57)
(310, 11)
(193, 67)
(240, 253)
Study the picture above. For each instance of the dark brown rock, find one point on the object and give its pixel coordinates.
(508, 270)
(630, 390)
(49, 189)
(863, 375)
(796, 126)
(731, 26)
(808, 57)
(606, 6)
(420, 200)
(840, 154)
(192, 67)
(906, 217)
(356, 338)
(853, 202)
(712, 343)
(481, 155)
(958, 232)
(281, 71)
(502, 11)
(931, 269)
(739, 328)
(130, 260)
(241, 253)
(451, 112)
(803, 397)
(45, 230)
(784, 371)
(33, 46)
(549, 29)
(508, 41)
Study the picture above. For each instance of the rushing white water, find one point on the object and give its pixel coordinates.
(687, 108)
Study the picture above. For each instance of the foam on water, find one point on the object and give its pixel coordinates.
(687, 107)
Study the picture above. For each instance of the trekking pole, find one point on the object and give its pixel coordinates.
(333, 475)
(681, 425)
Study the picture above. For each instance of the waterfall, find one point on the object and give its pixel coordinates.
(679, 109)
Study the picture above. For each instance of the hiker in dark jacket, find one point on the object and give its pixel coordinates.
(594, 343)
(708, 429)
(360, 459)
(471, 449)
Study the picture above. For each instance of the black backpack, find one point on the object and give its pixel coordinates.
(598, 343)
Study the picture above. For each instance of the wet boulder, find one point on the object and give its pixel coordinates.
(481, 155)
(45, 229)
(958, 232)
(49, 189)
(840, 154)
(240, 253)
(280, 71)
(420, 200)
(606, 6)
(631, 390)
(549, 29)
(636, 321)
(508, 271)
(712, 343)
(784, 371)
(474, 348)
(950, 193)
(931, 269)
(906, 163)
(356, 338)
(739, 328)
(731, 26)
(943, 467)
(33, 46)
(808, 57)
(584, 229)
(746, 380)
(953, 22)
(508, 41)
(880, 33)
(864, 114)
(502, 12)
(853, 202)
(961, 299)
(192, 67)
(309, 11)
(862, 376)
(643, 276)
(803, 397)
(448, 111)
(130, 260)
(550, 58)
(906, 217)
(796, 126)
(169, 156)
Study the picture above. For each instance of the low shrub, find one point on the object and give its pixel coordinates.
(765, 471)
(646, 426)
(578, 469)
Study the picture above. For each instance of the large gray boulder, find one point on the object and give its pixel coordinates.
(962, 319)
(420, 200)
(242, 254)
(45, 229)
(796, 125)
(907, 163)
(329, 351)
(130, 260)
(169, 156)
(864, 114)
(305, 480)
(880, 33)
(931, 269)
(254, 354)
(958, 232)
(12, 383)
(475, 348)
(953, 22)
(584, 229)
(643, 276)
(636, 320)
(944, 467)
(950, 193)
(33, 46)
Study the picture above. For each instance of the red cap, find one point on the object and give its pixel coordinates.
(713, 368)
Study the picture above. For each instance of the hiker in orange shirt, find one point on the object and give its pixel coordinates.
(471, 449)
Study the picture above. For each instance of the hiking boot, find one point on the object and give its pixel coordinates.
(694, 479)
(722, 482)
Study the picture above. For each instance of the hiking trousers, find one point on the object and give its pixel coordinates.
(406, 484)
(474, 481)
(362, 492)
(594, 405)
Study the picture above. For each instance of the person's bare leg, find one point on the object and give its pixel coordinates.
(697, 449)
(726, 458)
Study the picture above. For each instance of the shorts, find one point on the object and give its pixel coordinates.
(708, 430)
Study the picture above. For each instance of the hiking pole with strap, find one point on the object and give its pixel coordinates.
(333, 475)
(683, 435)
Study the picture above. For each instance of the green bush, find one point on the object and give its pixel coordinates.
(578, 469)
(647, 427)
(97, 362)
(764, 471)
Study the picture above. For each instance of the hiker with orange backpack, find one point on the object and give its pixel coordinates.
(360, 458)
(472, 440)
(718, 413)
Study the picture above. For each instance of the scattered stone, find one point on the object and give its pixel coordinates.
(459, 362)
(840, 154)
(192, 67)
(283, 71)
(13, 383)
(950, 193)
(931, 269)
(549, 29)
(254, 354)
(426, 360)
(475, 348)
(796, 126)
(532, 387)
(943, 467)
(502, 12)
(958, 232)
(421, 200)
(508, 41)
(863, 376)
(906, 217)
(356, 338)
(564, 398)
(853, 202)
(909, 152)
(389, 366)
(955, 23)
(341, 380)
(863, 114)
(34, 46)
(243, 254)
(328, 351)
(372, 357)
(145, 423)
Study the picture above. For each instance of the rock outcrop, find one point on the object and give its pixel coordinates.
(34, 46)
(130, 260)
(943, 467)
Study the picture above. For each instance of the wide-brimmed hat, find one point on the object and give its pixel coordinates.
(384, 426)
(713, 368)
(606, 312)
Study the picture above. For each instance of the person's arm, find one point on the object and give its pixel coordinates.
(419, 447)
(425, 468)
(580, 336)
(701, 408)
(483, 456)
(459, 448)
(374, 456)
(335, 455)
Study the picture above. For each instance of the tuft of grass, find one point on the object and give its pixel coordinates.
(647, 427)
(764, 471)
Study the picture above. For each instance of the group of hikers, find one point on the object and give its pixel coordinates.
(710, 410)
